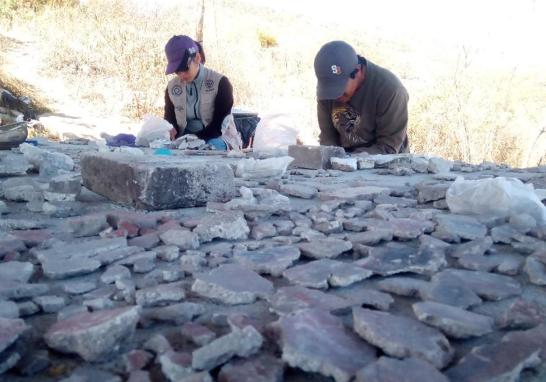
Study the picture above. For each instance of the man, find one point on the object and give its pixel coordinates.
(361, 106)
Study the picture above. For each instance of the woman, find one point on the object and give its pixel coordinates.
(198, 99)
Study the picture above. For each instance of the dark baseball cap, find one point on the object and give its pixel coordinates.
(179, 50)
(334, 63)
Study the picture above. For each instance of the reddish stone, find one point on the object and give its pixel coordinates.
(140, 219)
(169, 224)
(132, 229)
(146, 241)
(198, 334)
(137, 359)
(33, 237)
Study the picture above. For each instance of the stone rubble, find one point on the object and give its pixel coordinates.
(311, 274)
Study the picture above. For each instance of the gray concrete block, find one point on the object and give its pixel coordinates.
(314, 157)
(157, 183)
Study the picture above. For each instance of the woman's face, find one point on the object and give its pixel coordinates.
(193, 68)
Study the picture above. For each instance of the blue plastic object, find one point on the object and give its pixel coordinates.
(162, 151)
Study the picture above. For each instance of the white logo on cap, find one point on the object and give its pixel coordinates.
(336, 69)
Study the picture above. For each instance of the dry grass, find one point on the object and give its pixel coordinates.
(113, 56)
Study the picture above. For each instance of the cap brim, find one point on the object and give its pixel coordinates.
(172, 66)
(330, 90)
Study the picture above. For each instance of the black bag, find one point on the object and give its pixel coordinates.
(246, 124)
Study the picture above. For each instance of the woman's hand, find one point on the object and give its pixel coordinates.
(172, 133)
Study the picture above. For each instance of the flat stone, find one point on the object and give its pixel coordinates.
(388, 369)
(65, 184)
(316, 341)
(164, 293)
(183, 239)
(262, 368)
(175, 313)
(354, 193)
(344, 164)
(93, 335)
(50, 163)
(503, 360)
(168, 252)
(154, 182)
(241, 343)
(439, 165)
(76, 286)
(61, 209)
(395, 201)
(314, 157)
(64, 268)
(115, 272)
(454, 322)
(13, 165)
(229, 225)
(476, 247)
(16, 271)
(404, 338)
(327, 248)
(10, 330)
(16, 290)
(139, 376)
(360, 295)
(403, 286)
(71, 310)
(487, 285)
(386, 261)
(536, 270)
(299, 190)
(203, 376)
(290, 299)
(522, 314)
(503, 234)
(262, 230)
(33, 362)
(232, 284)
(89, 225)
(429, 192)
(372, 237)
(273, 261)
(85, 249)
(324, 273)
(137, 359)
(90, 373)
(196, 333)
(27, 308)
(50, 304)
(453, 228)
(158, 344)
(9, 309)
(175, 366)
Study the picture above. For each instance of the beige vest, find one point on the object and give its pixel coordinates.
(207, 95)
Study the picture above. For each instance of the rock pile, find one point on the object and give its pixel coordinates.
(342, 269)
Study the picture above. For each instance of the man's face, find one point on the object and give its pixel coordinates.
(350, 89)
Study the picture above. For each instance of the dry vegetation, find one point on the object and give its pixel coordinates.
(113, 56)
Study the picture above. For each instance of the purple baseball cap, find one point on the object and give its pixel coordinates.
(179, 49)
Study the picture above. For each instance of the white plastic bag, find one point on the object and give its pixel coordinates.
(498, 197)
(152, 129)
(230, 134)
(262, 168)
(274, 133)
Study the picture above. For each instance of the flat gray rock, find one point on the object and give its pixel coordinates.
(230, 225)
(315, 341)
(314, 157)
(454, 322)
(486, 285)
(13, 165)
(88, 248)
(360, 295)
(402, 337)
(90, 373)
(64, 268)
(324, 273)
(10, 330)
(181, 238)
(453, 228)
(354, 193)
(403, 286)
(503, 360)
(290, 299)
(536, 270)
(8, 309)
(449, 290)
(388, 369)
(240, 342)
(89, 225)
(299, 190)
(164, 293)
(327, 248)
(93, 335)
(16, 271)
(232, 284)
(175, 366)
(390, 260)
(429, 192)
(476, 247)
(155, 182)
(175, 313)
(372, 237)
(261, 368)
(271, 261)
(16, 290)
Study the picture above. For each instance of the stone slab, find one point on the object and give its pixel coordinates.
(271, 261)
(326, 272)
(157, 182)
(314, 157)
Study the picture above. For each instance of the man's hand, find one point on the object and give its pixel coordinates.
(172, 133)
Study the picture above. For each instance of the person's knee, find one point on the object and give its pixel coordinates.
(218, 144)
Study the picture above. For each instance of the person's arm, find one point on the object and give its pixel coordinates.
(328, 134)
(170, 116)
(222, 108)
(391, 123)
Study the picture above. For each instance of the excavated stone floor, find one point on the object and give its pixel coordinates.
(354, 273)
